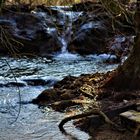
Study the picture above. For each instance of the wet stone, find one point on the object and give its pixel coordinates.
(51, 82)
(35, 82)
(2, 84)
(17, 84)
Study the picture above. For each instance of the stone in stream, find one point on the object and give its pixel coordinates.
(35, 82)
(47, 96)
(15, 84)
(89, 38)
(90, 32)
(51, 82)
(30, 82)
(40, 82)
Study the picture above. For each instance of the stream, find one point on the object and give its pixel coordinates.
(21, 120)
(34, 123)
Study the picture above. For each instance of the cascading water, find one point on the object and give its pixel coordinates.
(69, 17)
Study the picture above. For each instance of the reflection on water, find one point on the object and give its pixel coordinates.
(34, 123)
(31, 124)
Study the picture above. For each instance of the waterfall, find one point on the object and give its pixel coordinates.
(65, 37)
(66, 33)
(69, 17)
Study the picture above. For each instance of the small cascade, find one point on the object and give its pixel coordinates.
(66, 33)
(65, 37)
(64, 45)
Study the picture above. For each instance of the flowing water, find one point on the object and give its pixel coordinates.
(20, 120)
(34, 123)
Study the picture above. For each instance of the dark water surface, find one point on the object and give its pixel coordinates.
(34, 123)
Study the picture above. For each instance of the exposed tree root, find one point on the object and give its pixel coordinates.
(65, 120)
(91, 93)
(89, 113)
(77, 101)
(62, 105)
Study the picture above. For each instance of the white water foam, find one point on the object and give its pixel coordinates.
(67, 56)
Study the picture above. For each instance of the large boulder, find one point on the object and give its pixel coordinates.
(28, 33)
(89, 38)
(92, 30)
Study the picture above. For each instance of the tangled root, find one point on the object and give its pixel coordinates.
(94, 111)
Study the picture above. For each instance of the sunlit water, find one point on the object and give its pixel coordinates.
(34, 123)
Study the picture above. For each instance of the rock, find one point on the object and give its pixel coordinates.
(40, 82)
(48, 10)
(35, 82)
(93, 29)
(65, 83)
(52, 45)
(62, 91)
(56, 16)
(40, 32)
(66, 89)
(68, 94)
(89, 39)
(51, 82)
(2, 84)
(31, 34)
(46, 97)
(15, 84)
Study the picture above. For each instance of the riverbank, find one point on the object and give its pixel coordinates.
(84, 98)
(72, 41)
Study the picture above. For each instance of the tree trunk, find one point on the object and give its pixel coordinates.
(127, 75)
